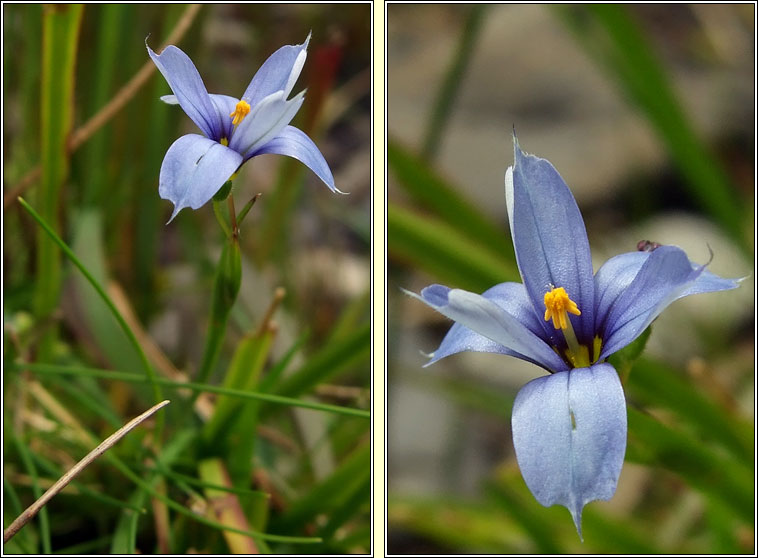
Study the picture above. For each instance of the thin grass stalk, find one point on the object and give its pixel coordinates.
(111, 306)
(442, 107)
(39, 368)
(60, 31)
(107, 444)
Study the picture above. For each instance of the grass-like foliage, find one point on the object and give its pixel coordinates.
(265, 445)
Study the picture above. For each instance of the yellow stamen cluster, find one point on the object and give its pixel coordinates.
(558, 305)
(240, 112)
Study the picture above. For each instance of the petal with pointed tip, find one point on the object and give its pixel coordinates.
(512, 298)
(549, 238)
(664, 276)
(615, 275)
(278, 73)
(193, 170)
(569, 433)
(189, 89)
(491, 321)
(294, 143)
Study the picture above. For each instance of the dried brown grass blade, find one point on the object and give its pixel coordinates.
(108, 443)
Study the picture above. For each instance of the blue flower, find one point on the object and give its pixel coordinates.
(569, 427)
(234, 130)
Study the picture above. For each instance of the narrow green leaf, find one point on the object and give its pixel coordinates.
(722, 479)
(226, 506)
(444, 252)
(656, 384)
(102, 325)
(524, 512)
(31, 469)
(104, 62)
(442, 107)
(352, 503)
(127, 330)
(329, 362)
(242, 374)
(138, 378)
(609, 32)
(463, 527)
(60, 31)
(429, 189)
(323, 497)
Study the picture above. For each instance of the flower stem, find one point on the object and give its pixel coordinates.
(226, 285)
(221, 219)
(232, 216)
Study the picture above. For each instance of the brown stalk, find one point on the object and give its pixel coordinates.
(108, 443)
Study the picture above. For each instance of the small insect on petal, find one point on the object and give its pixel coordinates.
(647, 246)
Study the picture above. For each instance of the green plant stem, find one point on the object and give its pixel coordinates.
(220, 218)
(60, 31)
(151, 376)
(226, 286)
(40, 368)
(44, 521)
(213, 341)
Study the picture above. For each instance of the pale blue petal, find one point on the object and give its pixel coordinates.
(278, 73)
(294, 143)
(193, 170)
(615, 275)
(491, 321)
(708, 282)
(569, 433)
(189, 89)
(550, 239)
(664, 276)
(512, 298)
(264, 122)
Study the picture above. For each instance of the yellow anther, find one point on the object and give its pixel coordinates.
(557, 305)
(224, 141)
(240, 112)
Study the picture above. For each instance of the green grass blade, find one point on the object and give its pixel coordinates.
(463, 527)
(524, 512)
(429, 189)
(323, 497)
(654, 383)
(724, 480)
(127, 330)
(44, 520)
(328, 363)
(104, 64)
(347, 510)
(138, 378)
(444, 252)
(443, 104)
(60, 31)
(610, 32)
(243, 374)
(106, 332)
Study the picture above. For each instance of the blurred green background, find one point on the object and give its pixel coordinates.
(288, 471)
(647, 111)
